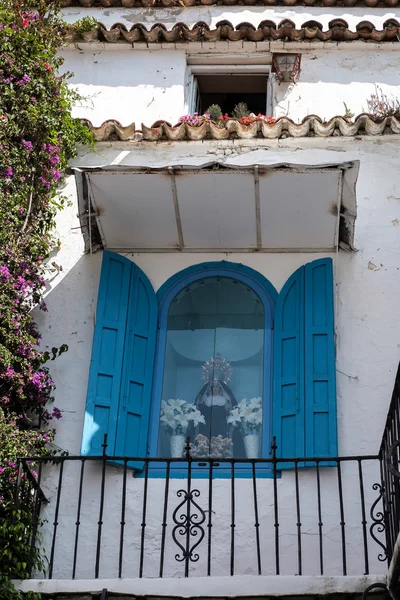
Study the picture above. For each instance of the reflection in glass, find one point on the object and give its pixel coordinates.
(213, 371)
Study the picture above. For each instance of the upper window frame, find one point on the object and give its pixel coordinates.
(165, 295)
(205, 66)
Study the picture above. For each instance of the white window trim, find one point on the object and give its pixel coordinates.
(226, 65)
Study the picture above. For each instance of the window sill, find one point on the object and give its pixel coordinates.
(180, 471)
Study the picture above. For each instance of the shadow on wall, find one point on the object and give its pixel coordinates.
(70, 320)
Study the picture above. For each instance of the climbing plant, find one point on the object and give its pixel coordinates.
(37, 138)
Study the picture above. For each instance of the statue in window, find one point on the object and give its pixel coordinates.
(215, 400)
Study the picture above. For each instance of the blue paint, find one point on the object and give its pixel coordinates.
(107, 355)
(304, 420)
(124, 389)
(289, 402)
(121, 372)
(137, 375)
(320, 377)
(166, 294)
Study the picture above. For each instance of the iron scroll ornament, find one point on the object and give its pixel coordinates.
(378, 522)
(188, 524)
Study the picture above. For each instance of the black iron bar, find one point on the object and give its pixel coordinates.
(320, 523)
(188, 506)
(55, 523)
(101, 508)
(276, 512)
(116, 458)
(36, 511)
(164, 521)
(78, 518)
(209, 521)
(298, 524)
(342, 522)
(144, 514)
(256, 521)
(232, 565)
(363, 517)
(122, 522)
(386, 514)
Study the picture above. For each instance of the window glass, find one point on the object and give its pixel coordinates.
(213, 371)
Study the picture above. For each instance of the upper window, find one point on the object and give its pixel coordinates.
(218, 356)
(230, 90)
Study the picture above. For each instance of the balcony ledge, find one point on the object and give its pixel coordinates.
(209, 587)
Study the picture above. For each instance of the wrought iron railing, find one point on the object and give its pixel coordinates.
(310, 519)
(390, 461)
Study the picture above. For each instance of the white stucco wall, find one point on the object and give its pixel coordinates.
(368, 351)
(146, 84)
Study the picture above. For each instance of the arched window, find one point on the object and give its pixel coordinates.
(213, 379)
(217, 355)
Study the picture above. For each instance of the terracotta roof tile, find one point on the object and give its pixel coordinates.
(311, 126)
(171, 3)
(286, 31)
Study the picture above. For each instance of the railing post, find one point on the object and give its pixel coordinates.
(276, 511)
(101, 508)
(188, 497)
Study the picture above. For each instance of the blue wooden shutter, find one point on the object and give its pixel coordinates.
(137, 376)
(320, 385)
(107, 355)
(289, 401)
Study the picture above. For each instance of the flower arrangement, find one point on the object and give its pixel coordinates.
(177, 414)
(196, 120)
(247, 414)
(217, 447)
(214, 114)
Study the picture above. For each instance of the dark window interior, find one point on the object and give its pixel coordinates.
(229, 90)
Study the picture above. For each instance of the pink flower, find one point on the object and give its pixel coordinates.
(1, 470)
(27, 145)
(56, 413)
(54, 160)
(11, 464)
(8, 172)
(25, 79)
(4, 272)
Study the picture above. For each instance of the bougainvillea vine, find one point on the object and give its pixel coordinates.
(37, 137)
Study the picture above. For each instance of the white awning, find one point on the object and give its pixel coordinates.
(214, 207)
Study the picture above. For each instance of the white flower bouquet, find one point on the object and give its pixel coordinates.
(248, 415)
(177, 414)
(216, 447)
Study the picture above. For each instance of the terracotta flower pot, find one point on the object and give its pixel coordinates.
(90, 36)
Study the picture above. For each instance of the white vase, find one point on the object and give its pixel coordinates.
(177, 445)
(251, 445)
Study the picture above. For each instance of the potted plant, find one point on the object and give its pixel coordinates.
(176, 416)
(248, 415)
(87, 28)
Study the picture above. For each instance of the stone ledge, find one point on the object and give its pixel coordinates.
(207, 588)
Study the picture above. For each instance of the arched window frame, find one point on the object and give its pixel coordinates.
(122, 373)
(165, 295)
